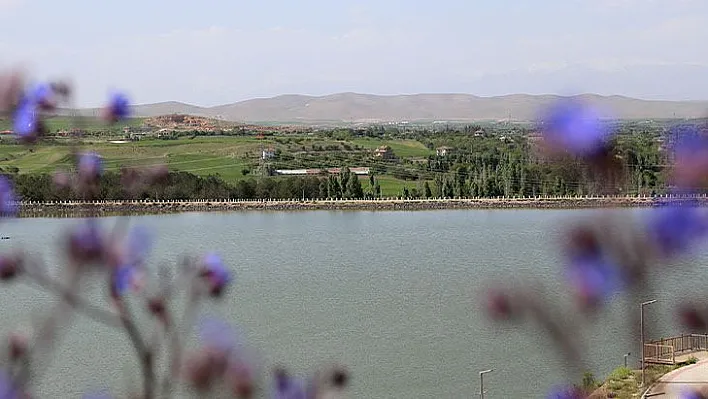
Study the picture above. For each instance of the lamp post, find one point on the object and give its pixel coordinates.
(641, 323)
(625, 358)
(481, 382)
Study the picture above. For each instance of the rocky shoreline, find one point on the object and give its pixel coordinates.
(109, 208)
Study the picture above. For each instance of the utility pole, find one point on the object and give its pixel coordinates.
(481, 382)
(641, 326)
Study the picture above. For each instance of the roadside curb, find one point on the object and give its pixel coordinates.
(673, 374)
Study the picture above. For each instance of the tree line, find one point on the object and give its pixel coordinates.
(188, 186)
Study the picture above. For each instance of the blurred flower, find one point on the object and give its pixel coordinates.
(156, 173)
(86, 243)
(693, 317)
(118, 107)
(219, 356)
(42, 95)
(215, 273)
(138, 245)
(218, 335)
(157, 307)
(674, 228)
(18, 343)
(287, 387)
(691, 394)
(8, 200)
(565, 393)
(593, 279)
(499, 305)
(61, 88)
(574, 127)
(123, 278)
(11, 85)
(61, 180)
(690, 150)
(26, 124)
(240, 379)
(8, 390)
(591, 274)
(328, 382)
(9, 266)
(90, 166)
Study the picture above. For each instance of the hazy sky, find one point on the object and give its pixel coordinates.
(210, 52)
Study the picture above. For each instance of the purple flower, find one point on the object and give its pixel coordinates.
(287, 387)
(215, 273)
(86, 242)
(593, 277)
(8, 200)
(118, 107)
(8, 390)
(42, 94)
(574, 126)
(690, 150)
(676, 227)
(90, 165)
(686, 394)
(218, 334)
(139, 245)
(123, 278)
(26, 121)
(564, 393)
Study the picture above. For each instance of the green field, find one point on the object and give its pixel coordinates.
(58, 123)
(225, 156)
(402, 148)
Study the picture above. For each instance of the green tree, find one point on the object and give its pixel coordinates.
(427, 192)
(354, 189)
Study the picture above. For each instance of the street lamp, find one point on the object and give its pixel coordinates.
(625, 358)
(481, 382)
(641, 323)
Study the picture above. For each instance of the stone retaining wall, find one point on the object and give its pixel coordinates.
(158, 207)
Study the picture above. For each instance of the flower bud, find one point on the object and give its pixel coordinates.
(18, 344)
(118, 108)
(9, 266)
(215, 274)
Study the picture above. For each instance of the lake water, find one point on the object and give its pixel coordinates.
(393, 295)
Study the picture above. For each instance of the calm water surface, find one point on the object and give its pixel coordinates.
(394, 295)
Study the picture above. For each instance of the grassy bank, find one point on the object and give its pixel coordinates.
(624, 383)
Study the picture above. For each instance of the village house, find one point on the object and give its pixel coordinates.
(268, 153)
(384, 152)
(444, 151)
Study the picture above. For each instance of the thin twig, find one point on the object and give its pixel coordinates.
(176, 329)
(80, 304)
(47, 333)
(144, 354)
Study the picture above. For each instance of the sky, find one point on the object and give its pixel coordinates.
(212, 52)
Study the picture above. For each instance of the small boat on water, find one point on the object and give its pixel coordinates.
(4, 238)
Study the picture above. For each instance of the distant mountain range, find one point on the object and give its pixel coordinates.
(362, 108)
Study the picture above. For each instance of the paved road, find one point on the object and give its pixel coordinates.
(678, 381)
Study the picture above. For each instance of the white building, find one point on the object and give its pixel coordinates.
(268, 153)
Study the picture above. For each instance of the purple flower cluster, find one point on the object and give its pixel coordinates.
(606, 256)
(118, 108)
(119, 255)
(214, 273)
(570, 125)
